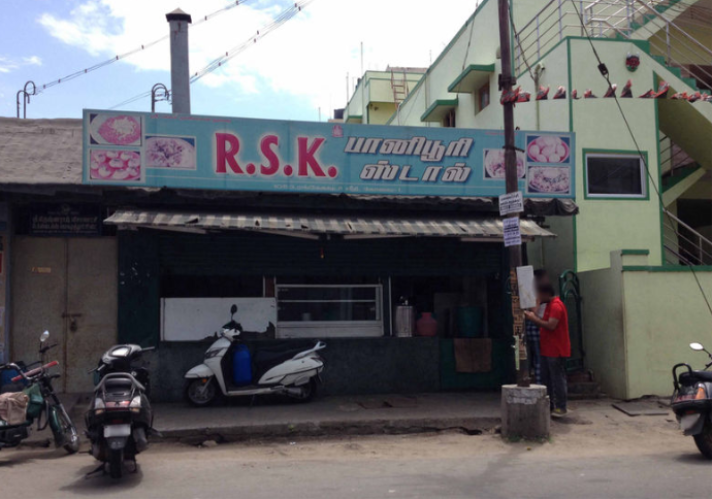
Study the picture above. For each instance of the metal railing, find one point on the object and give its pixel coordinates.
(672, 156)
(683, 244)
(630, 19)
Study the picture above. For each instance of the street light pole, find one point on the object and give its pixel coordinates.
(506, 82)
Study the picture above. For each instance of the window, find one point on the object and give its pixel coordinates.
(483, 97)
(615, 175)
(449, 120)
(316, 310)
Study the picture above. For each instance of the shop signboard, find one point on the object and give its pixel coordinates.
(64, 220)
(203, 152)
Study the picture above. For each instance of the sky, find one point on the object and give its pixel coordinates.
(292, 73)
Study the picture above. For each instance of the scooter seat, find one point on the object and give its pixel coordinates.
(115, 383)
(688, 378)
(266, 359)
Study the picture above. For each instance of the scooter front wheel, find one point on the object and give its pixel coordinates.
(200, 393)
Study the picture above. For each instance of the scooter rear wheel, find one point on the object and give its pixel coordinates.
(198, 394)
(704, 440)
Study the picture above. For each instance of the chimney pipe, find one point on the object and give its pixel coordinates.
(180, 70)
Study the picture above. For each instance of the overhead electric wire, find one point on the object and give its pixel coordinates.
(604, 72)
(119, 57)
(278, 21)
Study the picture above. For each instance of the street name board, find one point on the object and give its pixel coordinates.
(205, 152)
(512, 235)
(511, 203)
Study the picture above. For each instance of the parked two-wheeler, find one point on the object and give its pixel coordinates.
(692, 402)
(119, 420)
(43, 406)
(231, 369)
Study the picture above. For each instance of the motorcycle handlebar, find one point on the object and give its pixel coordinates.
(34, 372)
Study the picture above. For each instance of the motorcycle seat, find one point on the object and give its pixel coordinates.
(687, 378)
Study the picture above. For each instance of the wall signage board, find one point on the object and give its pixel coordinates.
(203, 152)
(64, 220)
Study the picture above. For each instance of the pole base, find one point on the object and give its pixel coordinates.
(525, 412)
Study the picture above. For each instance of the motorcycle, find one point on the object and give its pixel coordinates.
(692, 402)
(43, 406)
(119, 420)
(231, 369)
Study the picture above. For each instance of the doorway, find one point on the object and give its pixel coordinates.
(67, 286)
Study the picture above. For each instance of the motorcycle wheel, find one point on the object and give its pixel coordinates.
(196, 397)
(70, 434)
(704, 440)
(116, 463)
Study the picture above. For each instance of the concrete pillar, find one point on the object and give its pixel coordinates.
(180, 68)
(525, 412)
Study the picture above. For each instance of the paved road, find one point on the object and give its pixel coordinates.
(609, 455)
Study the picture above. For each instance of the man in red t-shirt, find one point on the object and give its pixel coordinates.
(555, 347)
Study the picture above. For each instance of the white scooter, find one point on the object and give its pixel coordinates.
(273, 370)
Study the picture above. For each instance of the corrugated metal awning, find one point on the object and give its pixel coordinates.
(351, 227)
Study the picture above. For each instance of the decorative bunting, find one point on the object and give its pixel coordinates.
(519, 96)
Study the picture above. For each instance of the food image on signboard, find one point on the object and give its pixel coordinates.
(115, 129)
(115, 166)
(548, 149)
(170, 152)
(549, 180)
(494, 164)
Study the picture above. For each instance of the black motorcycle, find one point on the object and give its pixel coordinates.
(43, 404)
(119, 420)
(692, 402)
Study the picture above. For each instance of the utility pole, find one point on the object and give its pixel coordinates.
(506, 82)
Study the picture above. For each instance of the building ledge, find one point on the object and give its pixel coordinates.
(472, 78)
(354, 119)
(438, 109)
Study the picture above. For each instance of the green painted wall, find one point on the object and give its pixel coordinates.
(605, 225)
(604, 339)
(380, 112)
(664, 313)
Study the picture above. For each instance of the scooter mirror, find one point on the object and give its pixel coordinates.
(697, 347)
(44, 336)
(233, 310)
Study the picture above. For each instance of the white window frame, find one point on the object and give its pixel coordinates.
(331, 329)
(643, 176)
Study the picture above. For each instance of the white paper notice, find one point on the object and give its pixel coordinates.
(527, 291)
(511, 203)
(512, 236)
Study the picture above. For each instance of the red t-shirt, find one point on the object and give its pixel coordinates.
(556, 343)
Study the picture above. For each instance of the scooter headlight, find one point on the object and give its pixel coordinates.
(99, 406)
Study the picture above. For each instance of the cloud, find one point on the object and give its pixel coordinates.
(308, 58)
(7, 64)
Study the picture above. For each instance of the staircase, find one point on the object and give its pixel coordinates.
(683, 244)
(399, 85)
(652, 21)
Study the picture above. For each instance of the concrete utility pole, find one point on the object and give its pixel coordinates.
(506, 82)
(180, 69)
(525, 409)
